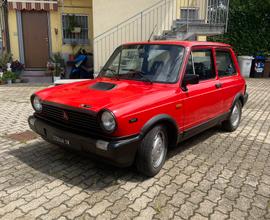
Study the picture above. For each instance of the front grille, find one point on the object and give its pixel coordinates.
(71, 119)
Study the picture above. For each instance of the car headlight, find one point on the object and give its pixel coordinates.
(108, 122)
(37, 104)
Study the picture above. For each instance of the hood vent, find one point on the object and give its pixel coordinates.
(103, 86)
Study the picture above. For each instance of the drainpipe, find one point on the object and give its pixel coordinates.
(62, 9)
(188, 6)
(6, 28)
(60, 27)
(227, 16)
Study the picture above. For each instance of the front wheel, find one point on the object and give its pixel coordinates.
(232, 123)
(152, 151)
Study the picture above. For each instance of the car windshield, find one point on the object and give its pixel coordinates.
(145, 62)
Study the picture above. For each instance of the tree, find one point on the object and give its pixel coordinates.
(248, 27)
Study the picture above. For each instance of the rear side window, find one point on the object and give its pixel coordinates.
(203, 64)
(225, 65)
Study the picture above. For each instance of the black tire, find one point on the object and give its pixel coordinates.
(144, 160)
(229, 125)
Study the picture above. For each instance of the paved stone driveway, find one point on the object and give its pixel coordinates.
(214, 175)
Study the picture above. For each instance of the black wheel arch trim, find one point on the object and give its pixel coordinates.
(239, 96)
(159, 119)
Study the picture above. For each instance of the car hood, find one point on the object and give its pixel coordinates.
(104, 93)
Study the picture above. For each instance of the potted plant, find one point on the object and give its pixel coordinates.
(17, 67)
(50, 68)
(76, 30)
(73, 45)
(1, 78)
(4, 59)
(73, 26)
(8, 77)
(57, 66)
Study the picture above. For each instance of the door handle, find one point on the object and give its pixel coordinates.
(218, 85)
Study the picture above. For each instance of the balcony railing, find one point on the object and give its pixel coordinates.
(210, 12)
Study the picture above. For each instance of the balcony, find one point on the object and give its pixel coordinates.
(199, 17)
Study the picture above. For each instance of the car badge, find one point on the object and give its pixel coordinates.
(65, 116)
(86, 106)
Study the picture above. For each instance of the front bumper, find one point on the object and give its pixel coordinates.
(118, 152)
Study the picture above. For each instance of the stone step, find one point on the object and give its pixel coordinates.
(36, 76)
(37, 79)
(34, 73)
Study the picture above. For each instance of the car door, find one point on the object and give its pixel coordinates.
(231, 84)
(203, 100)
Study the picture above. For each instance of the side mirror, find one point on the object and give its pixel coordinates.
(189, 79)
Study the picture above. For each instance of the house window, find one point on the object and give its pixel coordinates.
(189, 13)
(75, 29)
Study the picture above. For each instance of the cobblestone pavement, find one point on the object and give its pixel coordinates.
(214, 175)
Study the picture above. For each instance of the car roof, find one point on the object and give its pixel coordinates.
(182, 43)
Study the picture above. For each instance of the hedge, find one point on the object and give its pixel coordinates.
(248, 27)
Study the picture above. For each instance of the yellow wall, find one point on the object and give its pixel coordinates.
(13, 34)
(83, 7)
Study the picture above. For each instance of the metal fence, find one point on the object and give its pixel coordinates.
(158, 18)
(217, 12)
(137, 28)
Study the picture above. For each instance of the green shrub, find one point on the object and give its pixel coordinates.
(248, 27)
(4, 59)
(59, 64)
(8, 75)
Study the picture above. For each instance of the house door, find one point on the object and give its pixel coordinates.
(35, 38)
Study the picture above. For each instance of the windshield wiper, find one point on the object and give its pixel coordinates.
(142, 75)
(113, 72)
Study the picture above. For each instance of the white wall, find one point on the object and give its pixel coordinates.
(157, 15)
(108, 13)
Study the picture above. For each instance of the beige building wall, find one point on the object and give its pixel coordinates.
(140, 18)
(109, 13)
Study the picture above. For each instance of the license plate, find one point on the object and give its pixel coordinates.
(61, 140)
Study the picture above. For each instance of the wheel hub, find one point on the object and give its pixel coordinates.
(158, 149)
(235, 116)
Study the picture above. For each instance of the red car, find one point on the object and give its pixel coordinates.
(148, 97)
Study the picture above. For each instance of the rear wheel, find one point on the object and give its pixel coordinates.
(232, 123)
(152, 151)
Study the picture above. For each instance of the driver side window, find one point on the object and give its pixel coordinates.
(201, 63)
(225, 65)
